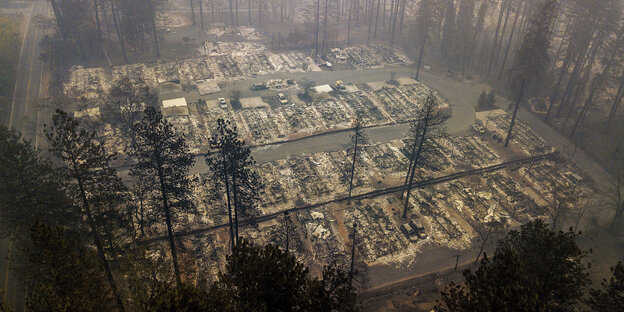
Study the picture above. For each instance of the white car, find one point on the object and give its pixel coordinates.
(282, 99)
(222, 103)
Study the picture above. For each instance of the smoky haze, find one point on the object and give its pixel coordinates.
(315, 155)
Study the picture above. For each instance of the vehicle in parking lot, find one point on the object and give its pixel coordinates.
(259, 86)
(340, 86)
(223, 103)
(282, 99)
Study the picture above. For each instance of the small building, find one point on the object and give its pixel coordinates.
(322, 89)
(175, 107)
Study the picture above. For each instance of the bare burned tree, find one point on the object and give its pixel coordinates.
(164, 159)
(428, 125)
(230, 172)
(532, 56)
(615, 197)
(94, 182)
(560, 204)
(124, 103)
(423, 27)
(485, 231)
(289, 236)
(358, 138)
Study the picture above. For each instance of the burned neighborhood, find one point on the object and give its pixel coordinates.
(311, 155)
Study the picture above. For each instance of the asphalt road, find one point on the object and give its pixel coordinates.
(29, 87)
(29, 83)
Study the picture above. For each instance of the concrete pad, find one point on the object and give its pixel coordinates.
(351, 88)
(175, 111)
(212, 104)
(178, 102)
(169, 87)
(253, 102)
(208, 86)
(322, 89)
(484, 115)
(378, 85)
(406, 81)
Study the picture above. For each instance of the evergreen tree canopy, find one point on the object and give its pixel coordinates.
(533, 269)
(31, 189)
(63, 274)
(264, 279)
(611, 299)
(532, 55)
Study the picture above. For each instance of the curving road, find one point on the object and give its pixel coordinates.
(29, 87)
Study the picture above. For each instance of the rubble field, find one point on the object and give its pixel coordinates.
(220, 67)
(367, 57)
(259, 123)
(220, 62)
(449, 214)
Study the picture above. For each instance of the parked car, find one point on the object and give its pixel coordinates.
(340, 85)
(223, 103)
(282, 99)
(259, 86)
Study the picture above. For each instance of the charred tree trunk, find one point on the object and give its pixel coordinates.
(316, 26)
(616, 101)
(420, 55)
(355, 147)
(349, 22)
(260, 14)
(415, 164)
(498, 25)
(212, 21)
(58, 17)
(370, 22)
(170, 234)
(201, 14)
(97, 240)
(511, 35)
(155, 37)
(236, 5)
(226, 181)
(119, 36)
(236, 205)
(515, 112)
(564, 69)
(402, 16)
(231, 13)
(324, 27)
(383, 20)
(502, 35)
(377, 18)
(598, 82)
(574, 79)
(107, 24)
(96, 9)
(192, 12)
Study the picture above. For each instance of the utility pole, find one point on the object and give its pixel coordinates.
(456, 261)
(352, 255)
(286, 229)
